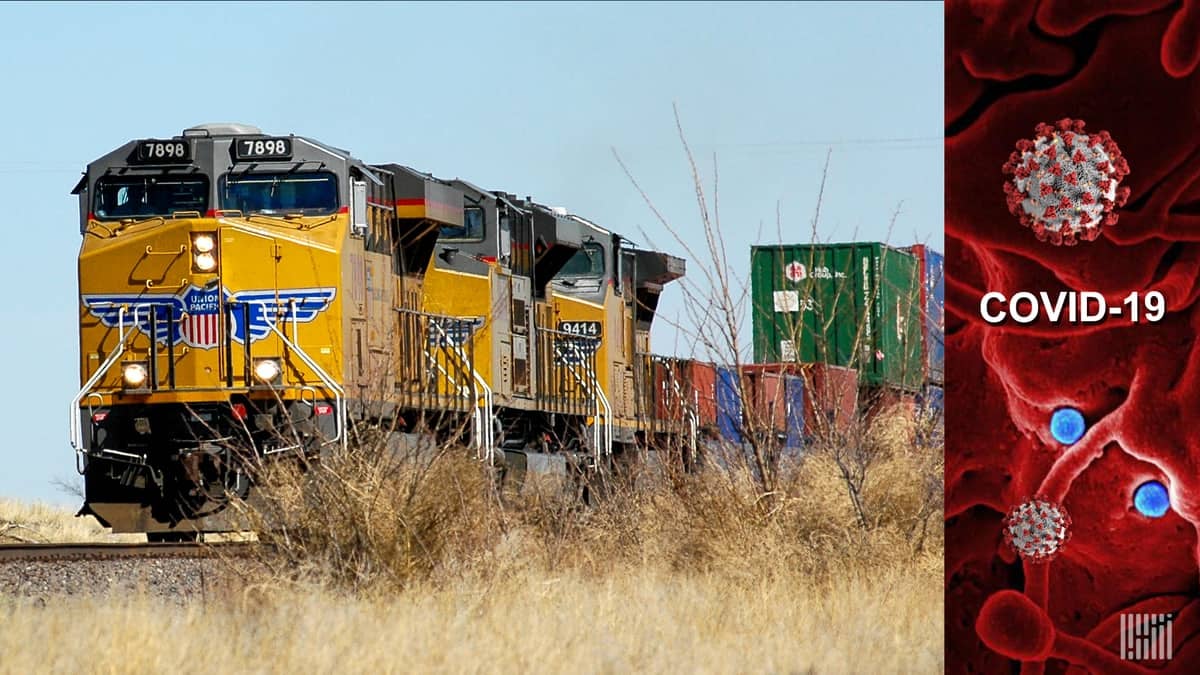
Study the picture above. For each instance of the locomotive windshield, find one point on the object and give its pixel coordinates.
(147, 196)
(310, 193)
(587, 262)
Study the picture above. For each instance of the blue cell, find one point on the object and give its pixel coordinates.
(1151, 499)
(1067, 425)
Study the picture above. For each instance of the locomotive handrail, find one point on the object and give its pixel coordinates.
(485, 434)
(608, 421)
(602, 436)
(97, 223)
(339, 394)
(80, 465)
(295, 320)
(445, 373)
(693, 417)
(76, 426)
(310, 390)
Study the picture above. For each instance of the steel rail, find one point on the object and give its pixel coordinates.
(123, 550)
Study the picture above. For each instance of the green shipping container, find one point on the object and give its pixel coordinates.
(853, 305)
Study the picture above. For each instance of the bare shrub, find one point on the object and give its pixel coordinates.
(372, 517)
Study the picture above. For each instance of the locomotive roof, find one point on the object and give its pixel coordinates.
(571, 227)
(120, 156)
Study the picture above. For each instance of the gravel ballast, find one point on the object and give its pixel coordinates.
(179, 579)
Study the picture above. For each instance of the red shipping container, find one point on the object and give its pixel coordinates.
(701, 380)
(671, 391)
(769, 394)
(682, 385)
(831, 401)
(890, 401)
(767, 390)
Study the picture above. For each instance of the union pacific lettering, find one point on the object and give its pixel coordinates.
(204, 304)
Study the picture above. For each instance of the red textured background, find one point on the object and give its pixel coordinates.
(1128, 67)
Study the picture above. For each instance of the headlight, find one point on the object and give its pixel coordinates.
(203, 243)
(266, 370)
(204, 251)
(205, 262)
(135, 375)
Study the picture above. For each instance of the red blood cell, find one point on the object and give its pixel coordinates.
(1011, 624)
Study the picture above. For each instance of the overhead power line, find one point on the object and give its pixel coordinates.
(843, 141)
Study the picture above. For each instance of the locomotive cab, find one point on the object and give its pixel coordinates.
(610, 290)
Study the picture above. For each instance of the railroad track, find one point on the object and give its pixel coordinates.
(101, 551)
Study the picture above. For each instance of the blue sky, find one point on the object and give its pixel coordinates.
(526, 98)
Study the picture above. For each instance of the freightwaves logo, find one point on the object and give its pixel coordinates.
(1147, 637)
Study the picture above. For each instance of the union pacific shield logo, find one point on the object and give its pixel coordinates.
(193, 317)
(200, 326)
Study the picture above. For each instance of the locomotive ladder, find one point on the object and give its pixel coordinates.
(484, 436)
(602, 435)
(339, 394)
(76, 425)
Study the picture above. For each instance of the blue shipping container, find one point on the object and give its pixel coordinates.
(729, 405)
(935, 308)
(932, 399)
(931, 410)
(795, 411)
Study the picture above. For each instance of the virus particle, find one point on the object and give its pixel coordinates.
(1065, 183)
(1151, 499)
(1067, 425)
(1037, 529)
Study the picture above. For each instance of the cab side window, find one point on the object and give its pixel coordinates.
(505, 252)
(472, 228)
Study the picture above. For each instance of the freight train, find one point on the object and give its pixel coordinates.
(868, 307)
(248, 298)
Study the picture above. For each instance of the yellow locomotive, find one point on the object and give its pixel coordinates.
(245, 296)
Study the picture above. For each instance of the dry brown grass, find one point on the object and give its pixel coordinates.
(414, 564)
(370, 521)
(641, 621)
(40, 523)
(22, 522)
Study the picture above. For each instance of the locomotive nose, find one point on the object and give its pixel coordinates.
(199, 327)
(181, 252)
(152, 257)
